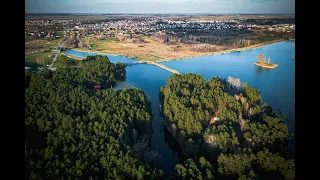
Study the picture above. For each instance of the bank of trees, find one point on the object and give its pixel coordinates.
(226, 123)
(76, 132)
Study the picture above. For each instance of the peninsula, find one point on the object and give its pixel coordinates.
(222, 123)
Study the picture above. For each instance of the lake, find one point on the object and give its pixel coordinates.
(277, 85)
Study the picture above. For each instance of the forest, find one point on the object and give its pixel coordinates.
(225, 129)
(73, 131)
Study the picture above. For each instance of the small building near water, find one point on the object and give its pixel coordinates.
(213, 120)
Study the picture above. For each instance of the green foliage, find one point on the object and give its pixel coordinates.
(76, 132)
(202, 169)
(234, 164)
(268, 131)
(221, 137)
(63, 61)
(274, 163)
(189, 101)
(253, 95)
(93, 70)
(262, 164)
(227, 126)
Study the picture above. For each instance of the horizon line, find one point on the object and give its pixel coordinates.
(168, 13)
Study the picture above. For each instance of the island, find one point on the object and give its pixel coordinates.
(224, 129)
(293, 58)
(262, 62)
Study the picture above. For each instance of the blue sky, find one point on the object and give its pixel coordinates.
(160, 6)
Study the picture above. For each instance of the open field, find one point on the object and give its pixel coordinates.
(46, 57)
(65, 61)
(42, 44)
(156, 51)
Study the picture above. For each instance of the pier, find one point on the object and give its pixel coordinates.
(154, 63)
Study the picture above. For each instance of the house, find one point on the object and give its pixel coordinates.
(26, 68)
(213, 120)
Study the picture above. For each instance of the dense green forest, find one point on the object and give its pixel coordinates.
(225, 129)
(73, 131)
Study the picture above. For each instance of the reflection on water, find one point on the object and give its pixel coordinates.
(173, 144)
(259, 70)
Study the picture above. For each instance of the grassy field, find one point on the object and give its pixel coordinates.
(42, 44)
(151, 50)
(30, 59)
(156, 51)
(65, 61)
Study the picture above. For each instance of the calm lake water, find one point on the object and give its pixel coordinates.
(277, 85)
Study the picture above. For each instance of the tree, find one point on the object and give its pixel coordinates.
(237, 83)
(234, 82)
(230, 80)
(261, 58)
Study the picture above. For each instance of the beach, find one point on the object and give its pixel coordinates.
(123, 84)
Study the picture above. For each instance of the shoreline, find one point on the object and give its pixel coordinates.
(102, 53)
(123, 85)
(208, 54)
(272, 66)
(230, 50)
(73, 57)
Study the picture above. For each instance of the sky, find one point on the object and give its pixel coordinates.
(160, 6)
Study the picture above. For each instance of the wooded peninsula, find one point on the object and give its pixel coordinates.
(225, 130)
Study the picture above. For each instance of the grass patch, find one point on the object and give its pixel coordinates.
(45, 57)
(42, 43)
(148, 57)
(266, 38)
(64, 61)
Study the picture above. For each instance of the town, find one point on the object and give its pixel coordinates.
(153, 37)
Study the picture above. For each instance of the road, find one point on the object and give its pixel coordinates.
(55, 57)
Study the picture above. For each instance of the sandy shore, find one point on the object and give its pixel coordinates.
(103, 54)
(123, 84)
(73, 57)
(272, 66)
